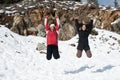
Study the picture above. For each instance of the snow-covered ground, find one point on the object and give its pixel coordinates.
(19, 59)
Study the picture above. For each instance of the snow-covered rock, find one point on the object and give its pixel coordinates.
(34, 11)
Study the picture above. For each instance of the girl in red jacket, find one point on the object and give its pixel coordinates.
(52, 39)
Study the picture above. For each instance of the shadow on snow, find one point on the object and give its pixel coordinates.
(108, 67)
(81, 69)
(78, 70)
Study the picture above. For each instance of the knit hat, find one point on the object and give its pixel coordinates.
(52, 25)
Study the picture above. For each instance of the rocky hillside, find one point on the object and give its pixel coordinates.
(27, 18)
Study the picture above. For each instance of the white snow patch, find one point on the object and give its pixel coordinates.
(116, 21)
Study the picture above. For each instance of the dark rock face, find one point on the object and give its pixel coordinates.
(19, 25)
(33, 16)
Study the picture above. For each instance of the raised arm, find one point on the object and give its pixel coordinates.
(76, 22)
(78, 25)
(90, 25)
(46, 24)
(57, 23)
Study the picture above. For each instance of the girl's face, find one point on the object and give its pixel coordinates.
(84, 27)
(52, 27)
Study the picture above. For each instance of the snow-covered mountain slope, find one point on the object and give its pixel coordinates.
(19, 59)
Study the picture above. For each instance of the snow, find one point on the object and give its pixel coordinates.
(103, 8)
(9, 12)
(54, 9)
(19, 5)
(8, 7)
(64, 8)
(2, 11)
(19, 59)
(31, 6)
(81, 4)
(46, 1)
(116, 21)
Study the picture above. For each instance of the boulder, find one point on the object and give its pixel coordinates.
(67, 32)
(41, 30)
(32, 31)
(19, 25)
(41, 46)
(115, 26)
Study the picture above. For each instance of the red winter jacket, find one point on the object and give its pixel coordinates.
(52, 36)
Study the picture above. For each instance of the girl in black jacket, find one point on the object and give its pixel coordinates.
(83, 30)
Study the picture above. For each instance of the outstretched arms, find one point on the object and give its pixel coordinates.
(56, 27)
(77, 24)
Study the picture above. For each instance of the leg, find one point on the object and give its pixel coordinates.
(49, 52)
(56, 52)
(79, 53)
(88, 52)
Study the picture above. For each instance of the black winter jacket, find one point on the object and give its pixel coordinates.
(83, 35)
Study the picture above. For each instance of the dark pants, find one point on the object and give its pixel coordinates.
(52, 49)
(83, 45)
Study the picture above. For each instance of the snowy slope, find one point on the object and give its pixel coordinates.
(20, 61)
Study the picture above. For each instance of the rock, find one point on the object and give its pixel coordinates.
(41, 30)
(43, 52)
(36, 17)
(5, 19)
(119, 41)
(115, 26)
(105, 24)
(32, 31)
(94, 32)
(19, 25)
(67, 32)
(72, 45)
(41, 46)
